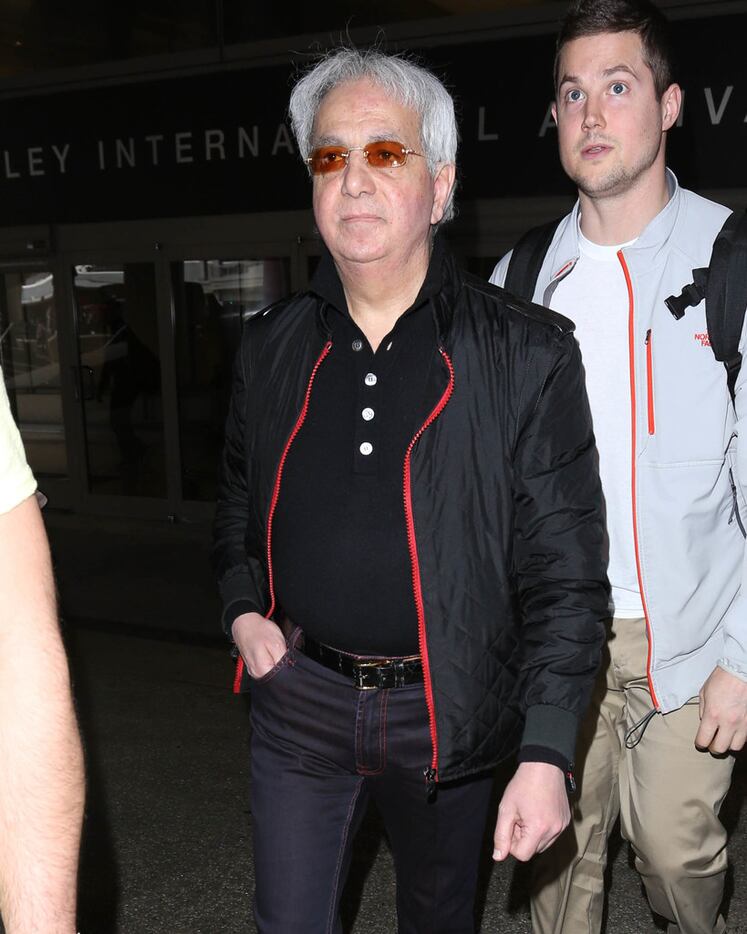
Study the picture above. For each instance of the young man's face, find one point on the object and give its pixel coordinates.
(611, 122)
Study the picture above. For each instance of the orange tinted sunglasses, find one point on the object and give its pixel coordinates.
(380, 154)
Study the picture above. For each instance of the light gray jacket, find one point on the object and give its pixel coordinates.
(687, 447)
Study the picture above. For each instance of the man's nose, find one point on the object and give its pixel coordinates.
(593, 114)
(357, 176)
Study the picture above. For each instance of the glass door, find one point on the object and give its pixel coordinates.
(30, 361)
(212, 300)
(118, 380)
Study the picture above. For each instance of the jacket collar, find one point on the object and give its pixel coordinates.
(647, 249)
(440, 286)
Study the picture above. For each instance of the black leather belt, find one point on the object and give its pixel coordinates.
(366, 673)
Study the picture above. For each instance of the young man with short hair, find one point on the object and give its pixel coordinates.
(671, 702)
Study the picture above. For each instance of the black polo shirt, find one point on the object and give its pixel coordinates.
(340, 552)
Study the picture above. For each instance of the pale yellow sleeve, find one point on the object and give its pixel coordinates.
(17, 482)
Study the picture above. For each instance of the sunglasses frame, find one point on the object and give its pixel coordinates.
(345, 155)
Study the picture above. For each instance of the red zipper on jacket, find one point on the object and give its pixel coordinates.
(274, 501)
(431, 774)
(631, 353)
(650, 382)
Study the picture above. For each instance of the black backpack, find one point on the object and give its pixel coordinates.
(723, 284)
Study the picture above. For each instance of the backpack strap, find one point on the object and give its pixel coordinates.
(726, 295)
(723, 285)
(527, 258)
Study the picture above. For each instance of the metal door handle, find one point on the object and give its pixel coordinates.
(84, 391)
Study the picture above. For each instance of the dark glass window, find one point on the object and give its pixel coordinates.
(212, 300)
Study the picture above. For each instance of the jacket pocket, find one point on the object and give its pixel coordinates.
(650, 382)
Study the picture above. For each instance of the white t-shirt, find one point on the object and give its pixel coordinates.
(595, 296)
(16, 480)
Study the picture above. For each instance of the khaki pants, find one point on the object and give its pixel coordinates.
(667, 793)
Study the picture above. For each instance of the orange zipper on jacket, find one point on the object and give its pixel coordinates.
(274, 501)
(431, 775)
(631, 353)
(650, 382)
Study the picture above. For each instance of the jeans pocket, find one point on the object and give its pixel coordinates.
(285, 661)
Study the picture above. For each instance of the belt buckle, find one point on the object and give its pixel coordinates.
(359, 672)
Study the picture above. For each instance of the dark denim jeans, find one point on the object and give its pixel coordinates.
(320, 750)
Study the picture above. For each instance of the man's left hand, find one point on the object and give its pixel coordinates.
(723, 713)
(533, 812)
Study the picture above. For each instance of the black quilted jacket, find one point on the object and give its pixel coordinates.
(502, 504)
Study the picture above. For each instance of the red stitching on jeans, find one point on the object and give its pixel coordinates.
(362, 770)
(382, 730)
(359, 767)
(343, 842)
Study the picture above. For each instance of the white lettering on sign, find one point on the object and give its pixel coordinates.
(248, 142)
(708, 107)
(211, 145)
(548, 123)
(36, 160)
(62, 155)
(154, 141)
(482, 135)
(183, 142)
(282, 140)
(9, 173)
(215, 140)
(125, 152)
(713, 112)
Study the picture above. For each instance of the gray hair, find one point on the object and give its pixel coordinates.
(410, 84)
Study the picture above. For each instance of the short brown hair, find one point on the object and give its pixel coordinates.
(593, 17)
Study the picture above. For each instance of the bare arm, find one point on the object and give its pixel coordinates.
(41, 760)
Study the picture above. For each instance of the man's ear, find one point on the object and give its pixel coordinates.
(671, 103)
(554, 112)
(443, 183)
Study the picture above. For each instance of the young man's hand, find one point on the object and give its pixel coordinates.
(723, 713)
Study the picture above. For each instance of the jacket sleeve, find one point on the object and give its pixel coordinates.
(559, 548)
(734, 657)
(238, 563)
(499, 273)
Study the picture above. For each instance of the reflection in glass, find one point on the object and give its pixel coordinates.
(119, 378)
(29, 357)
(212, 299)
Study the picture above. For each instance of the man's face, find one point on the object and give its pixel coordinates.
(610, 120)
(366, 214)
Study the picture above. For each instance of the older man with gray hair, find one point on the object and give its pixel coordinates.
(408, 532)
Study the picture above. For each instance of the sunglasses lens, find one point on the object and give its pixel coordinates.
(327, 159)
(385, 154)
